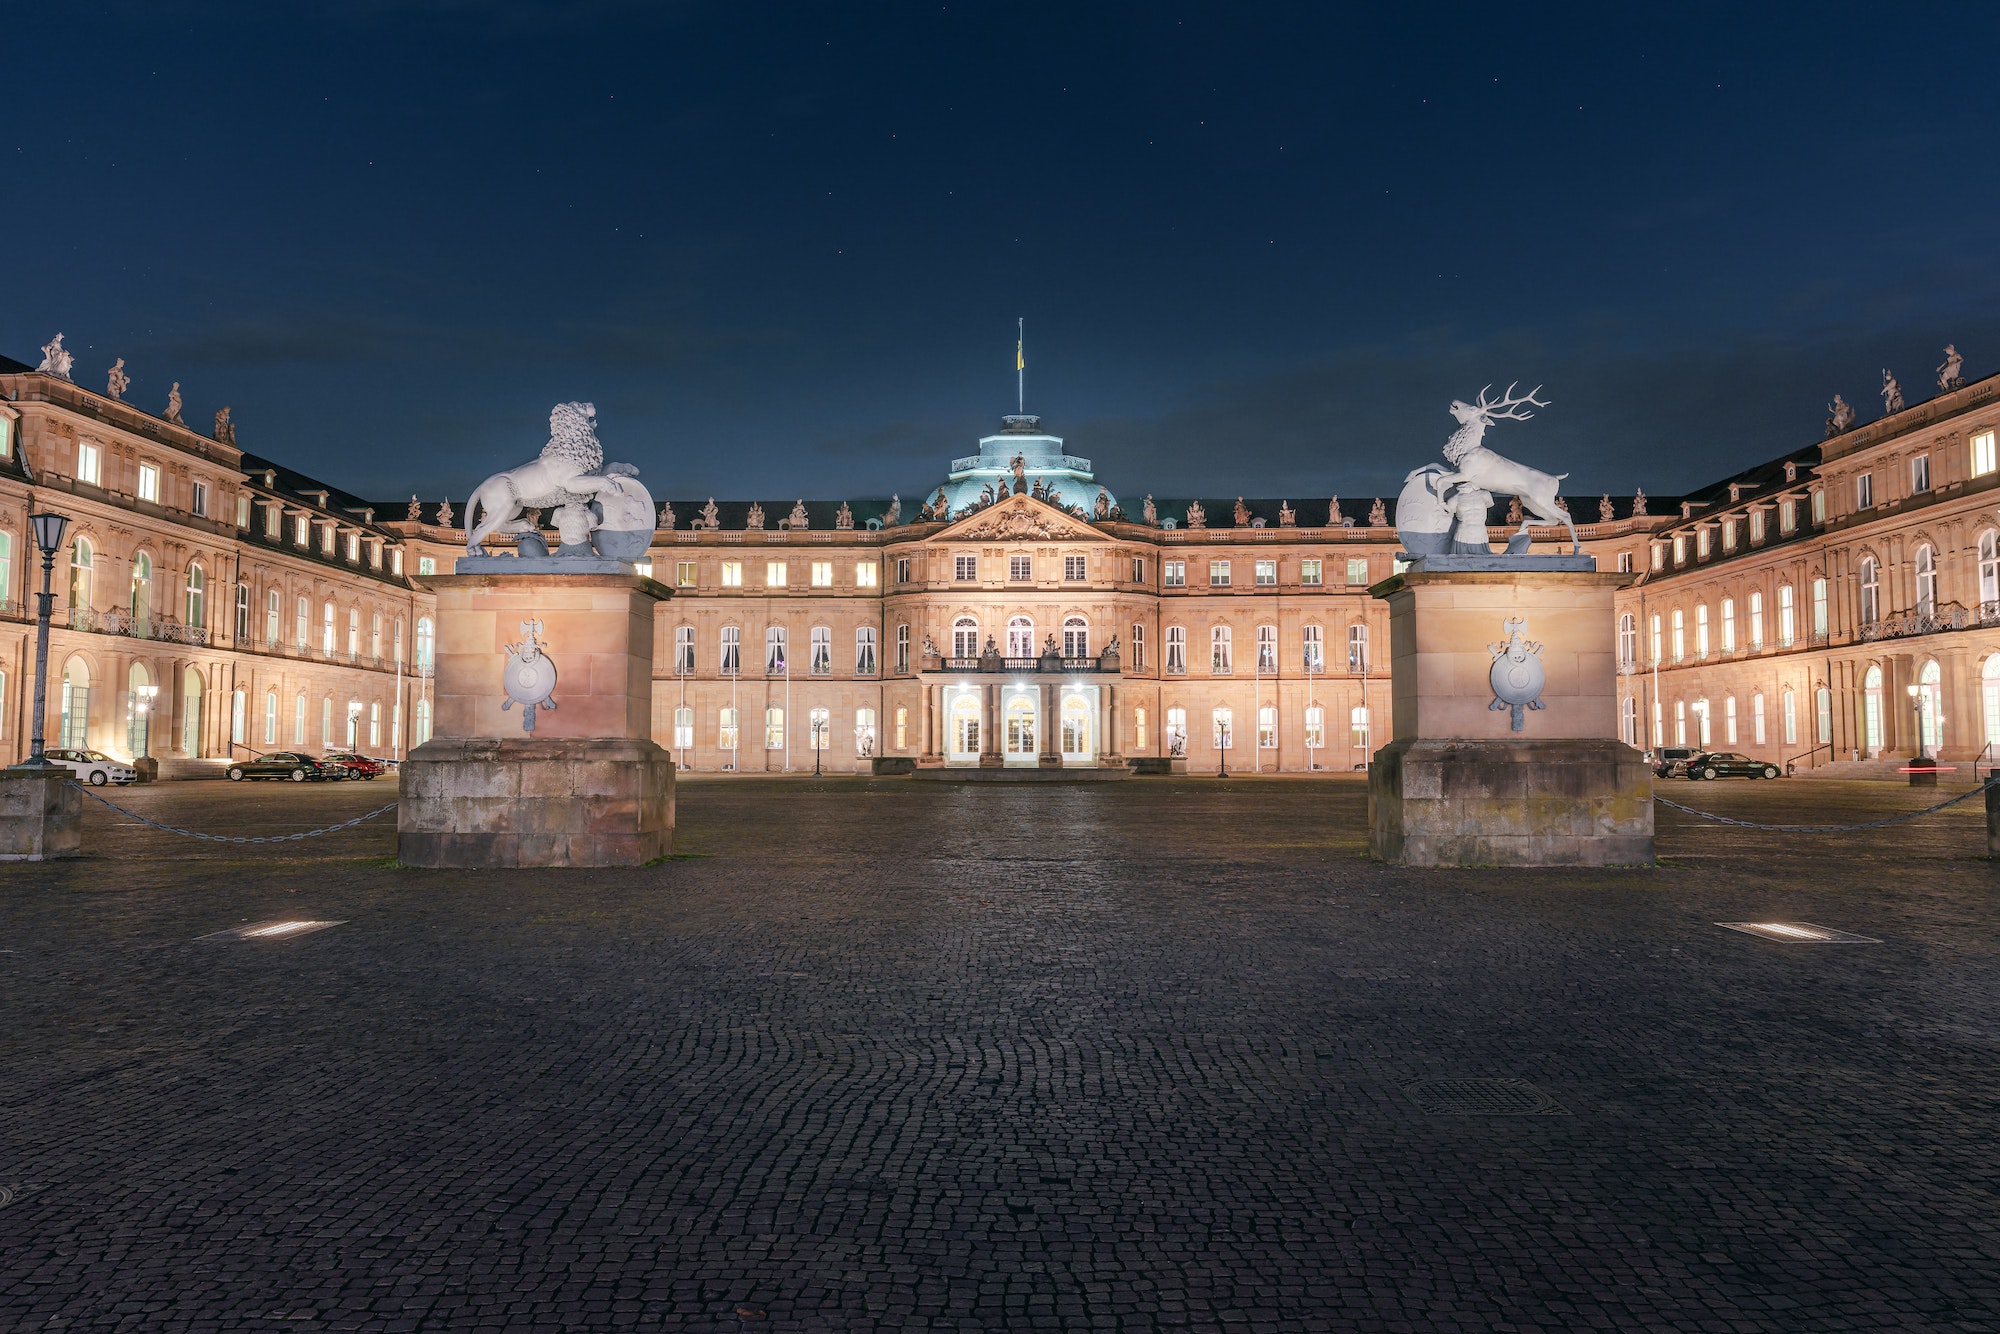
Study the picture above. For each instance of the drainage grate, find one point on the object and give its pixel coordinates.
(282, 929)
(1482, 1097)
(1799, 933)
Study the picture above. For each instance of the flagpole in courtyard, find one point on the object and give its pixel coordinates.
(1020, 365)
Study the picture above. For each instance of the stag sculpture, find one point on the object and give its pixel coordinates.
(1478, 468)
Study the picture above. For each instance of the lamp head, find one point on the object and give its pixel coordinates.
(49, 530)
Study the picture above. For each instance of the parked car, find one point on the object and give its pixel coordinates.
(356, 765)
(294, 765)
(94, 766)
(1728, 764)
(1671, 762)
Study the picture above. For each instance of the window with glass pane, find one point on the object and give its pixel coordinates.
(822, 574)
(1357, 571)
(1219, 657)
(965, 638)
(1920, 473)
(822, 650)
(1021, 637)
(1267, 648)
(1176, 650)
(1628, 641)
(1729, 625)
(1315, 726)
(1701, 630)
(1871, 589)
(1267, 573)
(1357, 722)
(684, 650)
(902, 648)
(965, 569)
(902, 569)
(1756, 526)
(684, 573)
(732, 574)
(89, 464)
(731, 661)
(1223, 733)
(1309, 575)
(1218, 574)
(726, 730)
(1357, 648)
(864, 650)
(864, 732)
(774, 650)
(1076, 568)
(1864, 491)
(1267, 727)
(1137, 651)
(1984, 456)
(1819, 606)
(1138, 569)
(683, 727)
(1176, 732)
(864, 574)
(1076, 637)
(775, 572)
(271, 718)
(1315, 649)
(1174, 574)
(774, 729)
(1788, 705)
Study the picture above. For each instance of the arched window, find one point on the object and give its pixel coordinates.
(82, 568)
(1628, 720)
(420, 732)
(1357, 723)
(1020, 638)
(1680, 635)
(1787, 617)
(965, 638)
(1871, 590)
(1989, 574)
(1926, 581)
(1224, 734)
(1018, 726)
(822, 651)
(270, 717)
(1315, 644)
(1267, 648)
(732, 651)
(326, 631)
(774, 729)
(1930, 698)
(426, 642)
(142, 588)
(1757, 718)
(864, 733)
(353, 636)
(1871, 709)
(74, 731)
(727, 734)
(299, 719)
(775, 661)
(139, 710)
(1176, 650)
(1989, 698)
(197, 592)
(1757, 619)
(864, 650)
(1628, 642)
(684, 650)
(1220, 657)
(1267, 727)
(1729, 720)
(1729, 625)
(1357, 648)
(273, 618)
(1788, 709)
(1701, 630)
(1076, 637)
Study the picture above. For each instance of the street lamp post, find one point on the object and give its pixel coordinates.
(819, 741)
(147, 694)
(49, 530)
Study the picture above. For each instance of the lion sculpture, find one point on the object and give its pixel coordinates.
(570, 478)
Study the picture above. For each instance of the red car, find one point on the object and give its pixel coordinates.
(357, 766)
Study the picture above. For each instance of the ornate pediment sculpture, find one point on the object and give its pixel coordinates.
(1019, 521)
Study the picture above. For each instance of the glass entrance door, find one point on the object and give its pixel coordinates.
(962, 733)
(1020, 734)
(1076, 741)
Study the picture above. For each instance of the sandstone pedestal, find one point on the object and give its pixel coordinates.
(587, 786)
(1459, 786)
(41, 814)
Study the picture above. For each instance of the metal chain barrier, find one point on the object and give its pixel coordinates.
(1832, 828)
(227, 838)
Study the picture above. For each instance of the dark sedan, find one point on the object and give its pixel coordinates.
(1728, 764)
(286, 764)
(357, 765)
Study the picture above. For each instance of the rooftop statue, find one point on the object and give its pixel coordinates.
(709, 519)
(225, 429)
(1103, 507)
(1604, 510)
(117, 382)
(600, 509)
(1287, 517)
(1479, 468)
(55, 360)
(1378, 516)
(1196, 516)
(1840, 416)
(797, 521)
(1950, 375)
(1892, 394)
(446, 519)
(416, 513)
(755, 520)
(174, 404)
(1020, 467)
(894, 514)
(1639, 503)
(1242, 516)
(845, 519)
(1151, 514)
(667, 519)
(1333, 519)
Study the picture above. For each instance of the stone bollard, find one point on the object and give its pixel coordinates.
(1993, 820)
(41, 815)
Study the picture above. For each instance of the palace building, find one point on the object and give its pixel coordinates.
(1829, 606)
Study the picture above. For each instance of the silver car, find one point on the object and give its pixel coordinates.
(94, 766)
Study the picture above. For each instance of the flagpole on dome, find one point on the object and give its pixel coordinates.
(1020, 366)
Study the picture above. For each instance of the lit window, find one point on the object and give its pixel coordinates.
(1076, 637)
(1624, 562)
(326, 630)
(1729, 534)
(299, 721)
(1789, 711)
(1020, 637)
(1139, 728)
(1756, 527)
(1315, 727)
(774, 574)
(822, 651)
(1659, 556)
(864, 650)
(684, 574)
(864, 574)
(196, 610)
(1357, 648)
(1756, 619)
(273, 522)
(1224, 733)
(1267, 648)
(1984, 458)
(1218, 574)
(775, 662)
(1871, 591)
(1309, 573)
(1680, 549)
(271, 718)
(1656, 636)
(1787, 616)
(1267, 727)
(684, 650)
(732, 574)
(1788, 516)
(1729, 625)
(1819, 597)
(1729, 720)
(732, 650)
(1174, 574)
(1267, 573)
(1177, 732)
(243, 613)
(965, 569)
(965, 638)
(726, 731)
(89, 464)
(902, 728)
(1176, 650)
(427, 565)
(1628, 641)
(243, 511)
(1701, 631)
(1819, 507)
(864, 732)
(1357, 571)
(1701, 544)
(1315, 649)
(1756, 718)
(1076, 568)
(774, 729)
(822, 574)
(1680, 635)
(1220, 657)
(1357, 722)
(683, 728)
(302, 531)
(1020, 569)
(353, 548)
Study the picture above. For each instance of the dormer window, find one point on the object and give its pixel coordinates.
(270, 479)
(1791, 472)
(302, 531)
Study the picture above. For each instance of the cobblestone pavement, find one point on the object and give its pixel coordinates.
(897, 1055)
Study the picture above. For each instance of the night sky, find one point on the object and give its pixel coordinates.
(1258, 247)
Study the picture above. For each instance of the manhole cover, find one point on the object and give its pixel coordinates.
(1482, 1097)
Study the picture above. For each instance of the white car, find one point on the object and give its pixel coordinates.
(94, 766)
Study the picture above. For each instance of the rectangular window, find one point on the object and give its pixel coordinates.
(1819, 607)
(1138, 569)
(1791, 711)
(1309, 575)
(375, 726)
(326, 537)
(396, 567)
(1267, 727)
(902, 652)
(1139, 729)
(1138, 652)
(684, 650)
(774, 729)
(684, 574)
(732, 574)
(354, 548)
(683, 728)
(1788, 516)
(1864, 491)
(1819, 507)
(198, 499)
(1984, 458)
(1920, 474)
(303, 622)
(1659, 557)
(1315, 649)
(1624, 562)
(864, 650)
(864, 574)
(89, 464)
(243, 511)
(1020, 569)
(732, 650)
(1680, 549)
(1176, 650)
(1729, 534)
(299, 721)
(375, 636)
(902, 729)
(1267, 574)
(1175, 574)
(774, 651)
(1357, 571)
(326, 721)
(1220, 656)
(822, 651)
(271, 719)
(1218, 574)
(725, 732)
(774, 574)
(1701, 544)
(902, 569)
(1076, 568)
(1315, 727)
(822, 574)
(1267, 648)
(242, 613)
(1756, 527)
(965, 569)
(273, 522)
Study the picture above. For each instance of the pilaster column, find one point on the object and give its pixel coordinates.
(989, 726)
(926, 721)
(1107, 746)
(1051, 753)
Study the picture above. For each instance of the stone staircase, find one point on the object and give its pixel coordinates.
(1889, 769)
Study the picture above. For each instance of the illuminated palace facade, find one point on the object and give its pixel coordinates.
(1785, 612)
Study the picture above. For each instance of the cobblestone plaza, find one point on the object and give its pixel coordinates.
(880, 1054)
